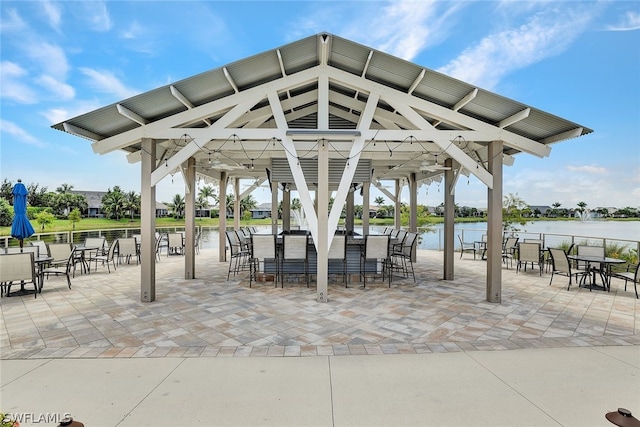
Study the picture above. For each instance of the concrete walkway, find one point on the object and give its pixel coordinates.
(212, 352)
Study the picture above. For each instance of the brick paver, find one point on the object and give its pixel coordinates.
(102, 316)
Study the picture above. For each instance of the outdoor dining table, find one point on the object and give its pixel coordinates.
(82, 249)
(605, 269)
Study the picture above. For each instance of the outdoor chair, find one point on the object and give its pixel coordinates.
(17, 269)
(596, 251)
(629, 275)
(561, 265)
(175, 245)
(43, 249)
(35, 250)
(60, 253)
(402, 257)
(60, 269)
(295, 250)
(466, 247)
(376, 250)
(128, 248)
(509, 247)
(239, 259)
(161, 242)
(529, 253)
(263, 250)
(107, 258)
(98, 242)
(338, 253)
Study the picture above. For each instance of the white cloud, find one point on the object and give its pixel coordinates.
(547, 33)
(97, 15)
(587, 169)
(19, 134)
(405, 28)
(11, 86)
(630, 21)
(52, 11)
(60, 89)
(13, 23)
(105, 81)
(133, 31)
(51, 58)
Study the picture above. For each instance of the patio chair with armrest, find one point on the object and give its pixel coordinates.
(128, 248)
(17, 269)
(596, 251)
(629, 275)
(109, 257)
(42, 245)
(561, 265)
(529, 253)
(60, 253)
(60, 269)
(467, 247)
(175, 245)
(509, 247)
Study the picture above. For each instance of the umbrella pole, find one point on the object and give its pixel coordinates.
(21, 244)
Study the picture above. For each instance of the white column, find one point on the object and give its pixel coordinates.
(190, 220)
(396, 213)
(222, 218)
(449, 221)
(236, 204)
(286, 210)
(274, 207)
(366, 186)
(494, 224)
(324, 239)
(147, 222)
(413, 208)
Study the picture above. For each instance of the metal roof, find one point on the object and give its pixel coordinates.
(194, 105)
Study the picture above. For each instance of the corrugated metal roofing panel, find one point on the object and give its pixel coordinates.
(442, 89)
(205, 87)
(392, 71)
(348, 56)
(255, 70)
(155, 104)
(300, 55)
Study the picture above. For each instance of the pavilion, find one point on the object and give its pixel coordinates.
(323, 115)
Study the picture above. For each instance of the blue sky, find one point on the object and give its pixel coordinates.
(577, 60)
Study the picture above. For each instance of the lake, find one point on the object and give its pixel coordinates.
(555, 233)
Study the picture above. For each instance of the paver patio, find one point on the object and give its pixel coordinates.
(102, 316)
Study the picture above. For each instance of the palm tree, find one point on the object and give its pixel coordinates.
(113, 202)
(229, 205)
(131, 203)
(64, 188)
(247, 204)
(202, 202)
(207, 192)
(177, 205)
(379, 201)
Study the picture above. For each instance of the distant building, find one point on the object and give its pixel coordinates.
(539, 211)
(261, 211)
(94, 202)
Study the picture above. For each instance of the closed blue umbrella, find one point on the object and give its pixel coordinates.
(20, 227)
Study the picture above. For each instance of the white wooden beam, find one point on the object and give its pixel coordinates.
(417, 81)
(520, 115)
(131, 115)
(122, 140)
(230, 80)
(193, 147)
